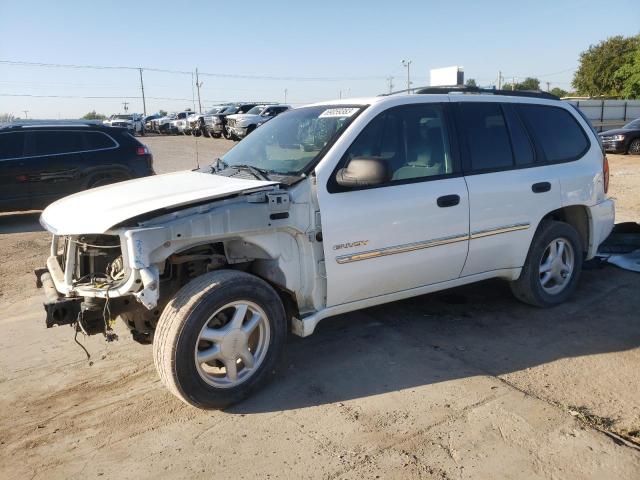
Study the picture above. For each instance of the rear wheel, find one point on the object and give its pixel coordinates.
(219, 338)
(634, 147)
(552, 268)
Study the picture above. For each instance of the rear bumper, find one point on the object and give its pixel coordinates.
(602, 218)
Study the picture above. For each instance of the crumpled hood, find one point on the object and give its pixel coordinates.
(98, 209)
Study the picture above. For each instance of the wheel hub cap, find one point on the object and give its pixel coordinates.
(556, 266)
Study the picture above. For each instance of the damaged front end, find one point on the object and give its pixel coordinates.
(87, 283)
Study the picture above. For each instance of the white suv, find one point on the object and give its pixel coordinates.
(327, 209)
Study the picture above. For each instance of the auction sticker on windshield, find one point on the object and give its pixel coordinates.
(338, 112)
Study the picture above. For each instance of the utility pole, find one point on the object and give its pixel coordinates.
(26, 113)
(407, 63)
(198, 85)
(548, 86)
(144, 102)
(285, 95)
(126, 106)
(390, 83)
(513, 83)
(499, 79)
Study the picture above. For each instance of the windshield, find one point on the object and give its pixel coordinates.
(213, 110)
(632, 125)
(122, 117)
(292, 141)
(255, 110)
(231, 109)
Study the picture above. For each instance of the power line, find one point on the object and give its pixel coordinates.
(182, 72)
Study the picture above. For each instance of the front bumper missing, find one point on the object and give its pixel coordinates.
(60, 310)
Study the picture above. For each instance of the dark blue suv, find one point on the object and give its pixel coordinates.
(40, 163)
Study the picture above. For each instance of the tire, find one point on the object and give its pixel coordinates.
(531, 287)
(196, 133)
(226, 134)
(205, 133)
(215, 135)
(212, 303)
(634, 147)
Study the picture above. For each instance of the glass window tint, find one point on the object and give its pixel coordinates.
(522, 148)
(11, 145)
(412, 140)
(555, 130)
(98, 140)
(51, 142)
(487, 136)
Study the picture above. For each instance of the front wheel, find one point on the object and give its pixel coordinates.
(634, 147)
(220, 338)
(552, 268)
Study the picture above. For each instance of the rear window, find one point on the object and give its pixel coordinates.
(555, 131)
(11, 145)
(487, 136)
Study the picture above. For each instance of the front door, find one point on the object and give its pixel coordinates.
(409, 232)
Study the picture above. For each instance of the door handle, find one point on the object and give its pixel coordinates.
(448, 201)
(540, 187)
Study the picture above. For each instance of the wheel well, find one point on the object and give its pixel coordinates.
(577, 217)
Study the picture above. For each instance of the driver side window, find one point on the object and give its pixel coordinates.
(412, 140)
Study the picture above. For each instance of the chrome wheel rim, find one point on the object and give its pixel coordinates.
(556, 266)
(232, 344)
(634, 148)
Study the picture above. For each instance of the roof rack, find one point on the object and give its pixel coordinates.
(466, 89)
(53, 123)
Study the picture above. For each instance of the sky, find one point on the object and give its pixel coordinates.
(255, 50)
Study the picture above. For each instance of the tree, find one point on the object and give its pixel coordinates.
(529, 83)
(94, 116)
(162, 113)
(558, 92)
(599, 65)
(629, 75)
(471, 83)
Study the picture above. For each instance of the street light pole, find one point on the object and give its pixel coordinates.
(407, 64)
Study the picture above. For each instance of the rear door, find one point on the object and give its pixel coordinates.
(14, 187)
(56, 161)
(510, 188)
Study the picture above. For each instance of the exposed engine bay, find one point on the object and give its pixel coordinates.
(95, 263)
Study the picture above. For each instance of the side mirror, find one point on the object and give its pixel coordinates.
(362, 172)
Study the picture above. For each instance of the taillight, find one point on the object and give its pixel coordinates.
(605, 173)
(142, 150)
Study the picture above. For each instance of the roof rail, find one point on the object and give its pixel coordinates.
(491, 91)
(53, 123)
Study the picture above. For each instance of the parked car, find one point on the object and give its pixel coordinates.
(197, 123)
(44, 162)
(327, 209)
(623, 140)
(132, 122)
(148, 122)
(240, 125)
(179, 125)
(216, 124)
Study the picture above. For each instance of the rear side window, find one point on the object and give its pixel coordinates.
(556, 131)
(487, 136)
(52, 142)
(522, 147)
(98, 141)
(11, 145)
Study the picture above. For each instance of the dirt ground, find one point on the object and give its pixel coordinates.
(461, 384)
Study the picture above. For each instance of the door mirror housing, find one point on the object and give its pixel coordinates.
(363, 172)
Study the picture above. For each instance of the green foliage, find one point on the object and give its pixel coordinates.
(558, 92)
(471, 83)
(94, 116)
(629, 75)
(529, 83)
(162, 113)
(607, 68)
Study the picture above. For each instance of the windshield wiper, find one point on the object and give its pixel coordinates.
(218, 165)
(259, 173)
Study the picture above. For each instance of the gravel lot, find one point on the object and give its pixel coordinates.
(466, 383)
